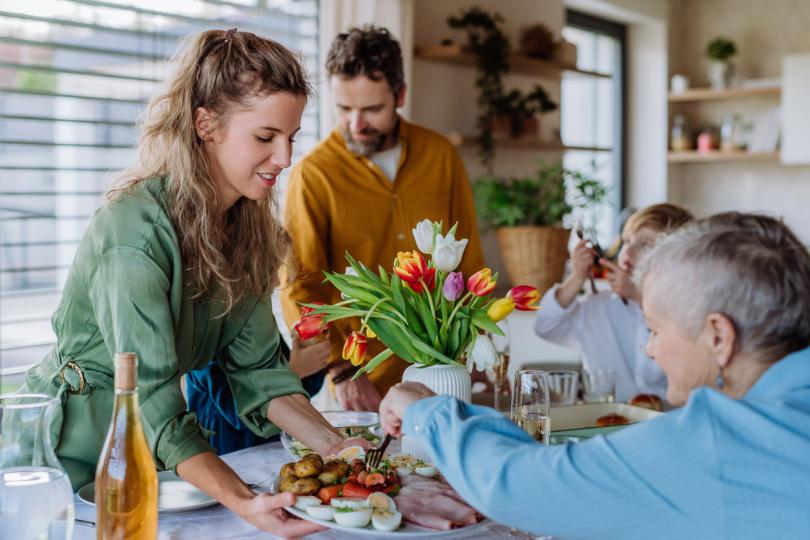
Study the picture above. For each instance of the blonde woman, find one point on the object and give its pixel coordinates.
(178, 268)
(607, 327)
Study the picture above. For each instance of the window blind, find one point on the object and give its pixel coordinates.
(74, 77)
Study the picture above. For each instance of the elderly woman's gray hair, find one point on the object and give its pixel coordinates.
(749, 267)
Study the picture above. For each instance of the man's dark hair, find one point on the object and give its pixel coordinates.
(369, 51)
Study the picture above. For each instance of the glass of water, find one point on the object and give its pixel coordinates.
(36, 500)
(530, 404)
(599, 385)
(563, 386)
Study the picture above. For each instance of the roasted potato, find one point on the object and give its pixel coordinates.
(308, 467)
(304, 486)
(287, 483)
(314, 457)
(287, 470)
(333, 471)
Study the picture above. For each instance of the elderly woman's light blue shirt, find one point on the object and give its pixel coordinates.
(715, 468)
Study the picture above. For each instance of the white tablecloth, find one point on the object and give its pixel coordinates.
(217, 522)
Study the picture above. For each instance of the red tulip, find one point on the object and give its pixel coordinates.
(411, 268)
(310, 324)
(481, 283)
(526, 298)
(354, 350)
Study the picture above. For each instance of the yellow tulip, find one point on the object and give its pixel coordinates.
(500, 308)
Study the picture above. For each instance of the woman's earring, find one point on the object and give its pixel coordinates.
(720, 382)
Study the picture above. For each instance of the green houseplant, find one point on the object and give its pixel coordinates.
(511, 112)
(529, 215)
(719, 52)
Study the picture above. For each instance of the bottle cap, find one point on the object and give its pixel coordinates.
(126, 371)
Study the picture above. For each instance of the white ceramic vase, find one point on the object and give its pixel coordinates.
(452, 380)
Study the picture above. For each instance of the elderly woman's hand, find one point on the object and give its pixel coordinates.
(397, 400)
(621, 281)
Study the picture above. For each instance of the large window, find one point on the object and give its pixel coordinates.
(74, 76)
(593, 112)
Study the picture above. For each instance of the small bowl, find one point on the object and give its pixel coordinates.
(348, 423)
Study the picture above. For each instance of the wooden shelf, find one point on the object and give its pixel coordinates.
(530, 143)
(719, 157)
(707, 94)
(519, 63)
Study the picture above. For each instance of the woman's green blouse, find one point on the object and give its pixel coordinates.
(125, 293)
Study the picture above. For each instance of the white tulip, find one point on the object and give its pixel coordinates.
(425, 235)
(482, 352)
(448, 252)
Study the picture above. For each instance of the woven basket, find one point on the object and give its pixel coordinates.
(534, 255)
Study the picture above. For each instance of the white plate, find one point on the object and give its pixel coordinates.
(584, 416)
(407, 530)
(174, 494)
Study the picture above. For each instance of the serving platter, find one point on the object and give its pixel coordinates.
(407, 530)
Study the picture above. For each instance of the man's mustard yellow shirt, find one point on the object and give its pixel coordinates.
(340, 202)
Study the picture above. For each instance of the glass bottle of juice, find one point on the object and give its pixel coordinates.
(126, 479)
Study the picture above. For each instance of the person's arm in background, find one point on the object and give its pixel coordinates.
(308, 223)
(657, 479)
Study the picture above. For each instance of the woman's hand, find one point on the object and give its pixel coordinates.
(621, 281)
(266, 512)
(396, 401)
(357, 394)
(581, 261)
(308, 359)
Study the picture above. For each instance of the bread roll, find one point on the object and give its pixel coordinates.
(648, 401)
(611, 419)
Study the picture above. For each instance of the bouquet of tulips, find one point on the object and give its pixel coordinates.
(424, 311)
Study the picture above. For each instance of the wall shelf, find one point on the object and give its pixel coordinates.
(720, 157)
(529, 143)
(708, 94)
(520, 64)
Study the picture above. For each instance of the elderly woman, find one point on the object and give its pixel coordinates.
(727, 301)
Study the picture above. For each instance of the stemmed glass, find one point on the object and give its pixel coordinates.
(531, 402)
(498, 373)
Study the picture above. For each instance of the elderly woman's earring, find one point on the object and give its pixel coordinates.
(720, 382)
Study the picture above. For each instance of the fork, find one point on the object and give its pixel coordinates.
(590, 277)
(375, 455)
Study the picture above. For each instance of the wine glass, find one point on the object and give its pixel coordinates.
(530, 411)
(530, 404)
(498, 373)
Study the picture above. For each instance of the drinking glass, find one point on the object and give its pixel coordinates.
(498, 373)
(563, 386)
(36, 500)
(599, 385)
(530, 404)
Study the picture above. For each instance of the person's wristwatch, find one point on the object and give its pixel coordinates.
(345, 374)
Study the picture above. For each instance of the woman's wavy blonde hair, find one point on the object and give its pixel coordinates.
(220, 71)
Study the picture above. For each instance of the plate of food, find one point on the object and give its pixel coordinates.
(403, 497)
(348, 423)
(174, 494)
(591, 419)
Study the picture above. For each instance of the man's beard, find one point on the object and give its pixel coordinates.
(368, 148)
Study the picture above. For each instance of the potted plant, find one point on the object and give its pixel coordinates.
(515, 114)
(529, 216)
(719, 51)
(498, 111)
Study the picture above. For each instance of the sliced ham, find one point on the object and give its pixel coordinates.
(434, 504)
